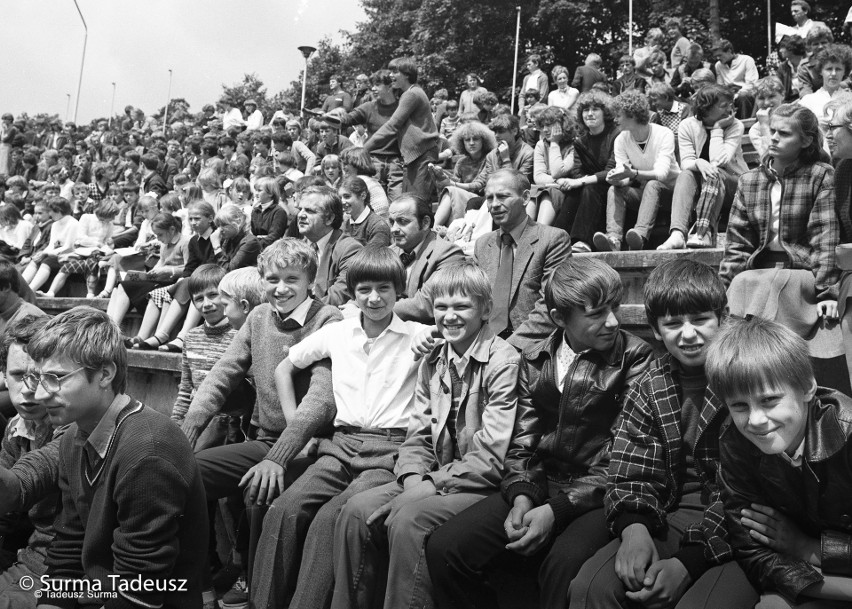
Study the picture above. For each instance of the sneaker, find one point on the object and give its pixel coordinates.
(635, 241)
(696, 242)
(237, 596)
(603, 243)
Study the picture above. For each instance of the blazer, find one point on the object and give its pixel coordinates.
(434, 254)
(330, 285)
(540, 250)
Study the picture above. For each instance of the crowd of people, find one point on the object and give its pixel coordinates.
(399, 384)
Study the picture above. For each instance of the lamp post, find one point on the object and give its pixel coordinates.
(82, 61)
(112, 107)
(168, 99)
(67, 106)
(307, 51)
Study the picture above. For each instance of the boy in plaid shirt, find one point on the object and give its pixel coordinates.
(662, 501)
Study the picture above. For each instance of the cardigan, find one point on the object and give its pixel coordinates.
(551, 164)
(726, 150)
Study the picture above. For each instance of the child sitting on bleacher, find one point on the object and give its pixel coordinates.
(241, 291)
(60, 241)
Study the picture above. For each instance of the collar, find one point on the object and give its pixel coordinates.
(102, 435)
(796, 459)
(362, 217)
(548, 347)
(769, 170)
(396, 326)
(517, 232)
(829, 425)
(323, 242)
(25, 429)
(300, 313)
(479, 349)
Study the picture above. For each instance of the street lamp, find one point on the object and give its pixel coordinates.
(82, 61)
(112, 106)
(307, 51)
(168, 99)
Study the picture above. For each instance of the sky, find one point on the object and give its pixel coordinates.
(134, 44)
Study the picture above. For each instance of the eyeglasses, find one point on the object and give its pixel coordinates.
(49, 381)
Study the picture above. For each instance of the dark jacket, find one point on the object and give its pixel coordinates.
(239, 252)
(817, 497)
(575, 425)
(269, 224)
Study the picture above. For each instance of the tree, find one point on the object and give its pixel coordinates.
(250, 88)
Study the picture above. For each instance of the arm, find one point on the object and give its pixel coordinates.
(381, 236)
(664, 157)
(742, 238)
(751, 76)
(686, 146)
(540, 168)
(724, 142)
(185, 389)
(305, 152)
(407, 105)
(284, 387)
(246, 254)
(823, 232)
(417, 454)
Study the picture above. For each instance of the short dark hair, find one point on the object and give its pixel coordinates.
(406, 66)
(282, 137)
(583, 282)
(150, 161)
(356, 186)
(227, 140)
(376, 263)
(132, 155)
(19, 332)
(706, 97)
(205, 277)
(9, 277)
(795, 45)
(422, 207)
(682, 287)
(59, 205)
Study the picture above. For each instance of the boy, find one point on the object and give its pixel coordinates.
(132, 498)
(240, 291)
(28, 484)
(662, 502)
(451, 121)
(785, 466)
(551, 506)
(465, 405)
(373, 373)
(288, 268)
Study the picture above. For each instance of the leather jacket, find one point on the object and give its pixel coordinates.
(568, 439)
(817, 496)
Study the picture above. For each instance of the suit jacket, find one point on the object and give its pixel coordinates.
(330, 285)
(539, 251)
(435, 254)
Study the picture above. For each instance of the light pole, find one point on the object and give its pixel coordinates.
(307, 51)
(67, 106)
(112, 107)
(168, 99)
(82, 61)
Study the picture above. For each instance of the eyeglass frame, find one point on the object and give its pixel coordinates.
(40, 378)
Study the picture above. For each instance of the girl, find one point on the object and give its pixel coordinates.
(62, 234)
(552, 161)
(363, 223)
(211, 188)
(268, 217)
(331, 170)
(144, 248)
(358, 162)
(14, 231)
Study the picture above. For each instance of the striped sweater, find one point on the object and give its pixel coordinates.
(203, 347)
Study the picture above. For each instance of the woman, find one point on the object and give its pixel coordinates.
(93, 237)
(585, 189)
(834, 63)
(473, 141)
(62, 234)
(143, 248)
(629, 79)
(564, 95)
(474, 86)
(358, 162)
(360, 220)
(553, 160)
(711, 161)
(134, 289)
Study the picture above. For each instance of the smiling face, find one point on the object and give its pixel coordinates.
(18, 363)
(375, 299)
(773, 419)
(588, 327)
(562, 81)
(687, 336)
(839, 139)
(353, 204)
(286, 288)
(459, 318)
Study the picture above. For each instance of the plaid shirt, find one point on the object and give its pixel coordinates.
(808, 228)
(646, 472)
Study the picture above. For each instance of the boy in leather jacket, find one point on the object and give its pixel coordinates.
(551, 505)
(785, 467)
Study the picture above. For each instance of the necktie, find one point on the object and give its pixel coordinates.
(503, 285)
(407, 258)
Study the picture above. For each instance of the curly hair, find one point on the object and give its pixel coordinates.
(594, 99)
(484, 97)
(557, 70)
(707, 97)
(633, 104)
(473, 129)
(835, 53)
(552, 115)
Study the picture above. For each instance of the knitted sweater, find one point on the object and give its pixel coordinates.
(658, 155)
(142, 514)
(261, 344)
(203, 347)
(372, 231)
(412, 125)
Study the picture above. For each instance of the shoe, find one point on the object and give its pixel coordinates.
(237, 596)
(635, 241)
(214, 604)
(132, 342)
(149, 346)
(580, 247)
(176, 346)
(674, 242)
(603, 243)
(705, 241)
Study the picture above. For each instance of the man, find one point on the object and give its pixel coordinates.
(338, 98)
(737, 72)
(788, 71)
(535, 79)
(319, 220)
(413, 127)
(422, 252)
(331, 142)
(127, 121)
(808, 73)
(133, 502)
(152, 183)
(801, 12)
(512, 152)
(232, 118)
(587, 75)
(228, 151)
(49, 159)
(362, 90)
(520, 255)
(254, 117)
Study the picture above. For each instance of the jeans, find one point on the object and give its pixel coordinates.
(389, 172)
(648, 197)
(686, 194)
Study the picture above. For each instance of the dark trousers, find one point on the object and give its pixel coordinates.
(583, 212)
(462, 552)
(417, 179)
(222, 468)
